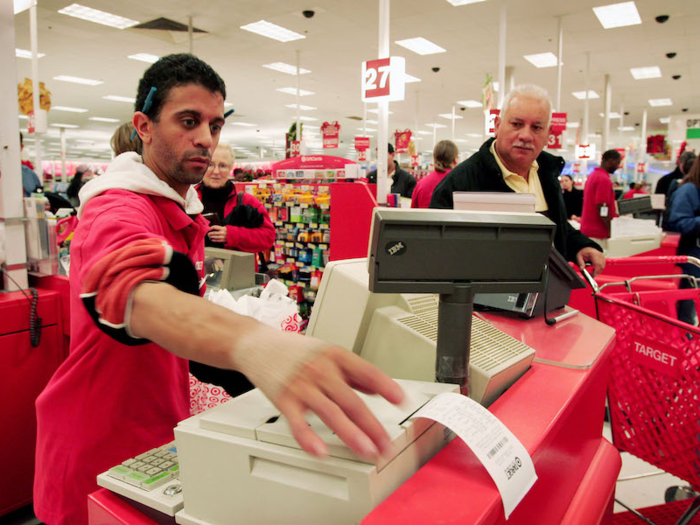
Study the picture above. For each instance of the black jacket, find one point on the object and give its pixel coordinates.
(665, 182)
(480, 172)
(402, 182)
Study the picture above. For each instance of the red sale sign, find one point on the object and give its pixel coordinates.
(296, 148)
(330, 132)
(401, 140)
(491, 121)
(415, 160)
(641, 167)
(361, 143)
(384, 79)
(362, 154)
(585, 151)
(558, 122)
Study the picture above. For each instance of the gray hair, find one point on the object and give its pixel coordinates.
(528, 91)
(229, 150)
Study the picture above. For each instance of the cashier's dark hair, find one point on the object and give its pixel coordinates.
(174, 71)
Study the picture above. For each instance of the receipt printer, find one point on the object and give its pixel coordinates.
(239, 463)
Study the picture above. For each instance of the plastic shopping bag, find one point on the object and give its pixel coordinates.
(273, 308)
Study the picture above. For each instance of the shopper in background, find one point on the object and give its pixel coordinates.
(664, 183)
(402, 182)
(122, 142)
(82, 175)
(124, 385)
(515, 162)
(445, 155)
(599, 205)
(244, 226)
(636, 188)
(573, 197)
(685, 219)
(30, 180)
(687, 160)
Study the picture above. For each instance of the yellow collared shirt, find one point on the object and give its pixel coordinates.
(519, 185)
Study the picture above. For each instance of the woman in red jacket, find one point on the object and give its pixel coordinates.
(247, 228)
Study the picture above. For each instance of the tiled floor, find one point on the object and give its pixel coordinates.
(640, 484)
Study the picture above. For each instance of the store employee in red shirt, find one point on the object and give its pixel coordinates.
(599, 206)
(137, 316)
(445, 155)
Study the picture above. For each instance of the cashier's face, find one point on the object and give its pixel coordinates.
(178, 146)
(522, 132)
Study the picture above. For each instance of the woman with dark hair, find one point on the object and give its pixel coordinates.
(573, 197)
(685, 219)
(445, 157)
(82, 175)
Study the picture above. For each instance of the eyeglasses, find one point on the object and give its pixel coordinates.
(221, 167)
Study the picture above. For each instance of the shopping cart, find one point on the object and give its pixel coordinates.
(654, 388)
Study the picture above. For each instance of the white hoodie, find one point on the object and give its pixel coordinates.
(128, 172)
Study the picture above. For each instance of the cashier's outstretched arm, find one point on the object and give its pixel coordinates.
(297, 373)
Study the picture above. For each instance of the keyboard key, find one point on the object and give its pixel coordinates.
(153, 471)
(156, 480)
(174, 470)
(170, 455)
(145, 468)
(119, 471)
(137, 465)
(144, 455)
(166, 464)
(136, 478)
(157, 462)
(161, 453)
(129, 462)
(173, 450)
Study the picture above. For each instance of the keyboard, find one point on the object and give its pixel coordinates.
(151, 478)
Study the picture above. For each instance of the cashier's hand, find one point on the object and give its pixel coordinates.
(593, 256)
(324, 386)
(217, 234)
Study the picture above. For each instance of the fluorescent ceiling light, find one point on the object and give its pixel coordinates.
(293, 91)
(377, 111)
(269, 30)
(305, 118)
(421, 46)
(416, 138)
(470, 104)
(660, 102)
(117, 98)
(460, 140)
(99, 17)
(457, 3)
(613, 114)
(642, 73)
(475, 135)
(24, 53)
(23, 117)
(665, 120)
(244, 124)
(626, 128)
(286, 68)
(424, 132)
(23, 5)
(539, 60)
(410, 78)
(57, 125)
(368, 121)
(582, 95)
(449, 116)
(78, 80)
(570, 125)
(435, 125)
(301, 107)
(618, 15)
(66, 108)
(144, 57)
(103, 119)
(228, 104)
(369, 130)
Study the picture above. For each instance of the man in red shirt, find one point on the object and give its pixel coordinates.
(599, 207)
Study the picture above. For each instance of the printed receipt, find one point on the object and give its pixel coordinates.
(505, 458)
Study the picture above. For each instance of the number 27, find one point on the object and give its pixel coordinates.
(371, 78)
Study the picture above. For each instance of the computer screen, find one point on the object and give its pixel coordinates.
(398, 332)
(228, 269)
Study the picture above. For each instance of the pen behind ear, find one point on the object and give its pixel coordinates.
(146, 106)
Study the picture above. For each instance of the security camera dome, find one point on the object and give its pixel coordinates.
(308, 13)
(436, 69)
(661, 19)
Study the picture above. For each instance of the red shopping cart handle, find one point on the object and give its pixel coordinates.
(666, 259)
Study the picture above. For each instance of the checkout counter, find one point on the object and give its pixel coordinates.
(555, 409)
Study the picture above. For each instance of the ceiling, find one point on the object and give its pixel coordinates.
(339, 38)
